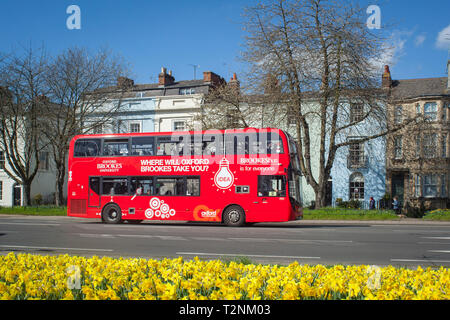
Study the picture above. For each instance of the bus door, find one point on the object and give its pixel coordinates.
(94, 192)
(271, 193)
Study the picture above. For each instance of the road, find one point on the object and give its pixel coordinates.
(308, 242)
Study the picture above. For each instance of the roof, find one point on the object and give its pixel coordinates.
(415, 88)
(154, 89)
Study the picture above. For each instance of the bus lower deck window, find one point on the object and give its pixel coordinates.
(271, 186)
(115, 186)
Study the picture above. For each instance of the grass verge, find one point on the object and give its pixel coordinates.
(348, 214)
(35, 210)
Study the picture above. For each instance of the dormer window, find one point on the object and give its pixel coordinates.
(187, 91)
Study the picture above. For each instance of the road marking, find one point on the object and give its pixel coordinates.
(290, 240)
(145, 236)
(440, 251)
(437, 238)
(417, 260)
(242, 255)
(53, 248)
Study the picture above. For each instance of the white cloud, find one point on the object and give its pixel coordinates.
(392, 50)
(443, 39)
(420, 39)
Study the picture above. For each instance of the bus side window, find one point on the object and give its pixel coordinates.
(115, 147)
(193, 186)
(142, 146)
(166, 147)
(271, 186)
(87, 148)
(212, 144)
(144, 183)
(274, 144)
(115, 186)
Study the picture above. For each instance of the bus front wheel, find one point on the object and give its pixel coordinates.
(234, 216)
(112, 214)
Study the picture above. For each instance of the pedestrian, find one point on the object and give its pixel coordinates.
(396, 206)
(371, 204)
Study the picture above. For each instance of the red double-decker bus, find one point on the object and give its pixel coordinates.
(228, 176)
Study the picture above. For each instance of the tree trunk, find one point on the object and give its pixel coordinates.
(26, 194)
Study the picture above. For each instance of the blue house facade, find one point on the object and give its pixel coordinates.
(359, 172)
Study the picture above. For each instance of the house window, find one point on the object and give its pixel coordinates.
(444, 145)
(179, 126)
(430, 111)
(417, 185)
(429, 145)
(135, 127)
(356, 186)
(356, 112)
(2, 160)
(398, 114)
(418, 145)
(43, 161)
(443, 186)
(187, 91)
(430, 185)
(398, 142)
(444, 111)
(356, 155)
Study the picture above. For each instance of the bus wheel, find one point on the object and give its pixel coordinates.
(234, 216)
(112, 214)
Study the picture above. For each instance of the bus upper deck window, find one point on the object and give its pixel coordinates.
(115, 147)
(87, 148)
(142, 146)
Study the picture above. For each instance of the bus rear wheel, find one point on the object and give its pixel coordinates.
(234, 216)
(112, 214)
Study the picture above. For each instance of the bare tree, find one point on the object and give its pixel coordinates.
(21, 99)
(84, 96)
(323, 56)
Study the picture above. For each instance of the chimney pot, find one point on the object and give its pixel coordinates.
(386, 81)
(124, 82)
(165, 78)
(448, 74)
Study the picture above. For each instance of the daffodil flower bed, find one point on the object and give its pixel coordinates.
(26, 276)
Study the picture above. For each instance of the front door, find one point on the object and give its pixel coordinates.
(17, 195)
(94, 192)
(398, 186)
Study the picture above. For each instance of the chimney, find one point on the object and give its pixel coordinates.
(212, 78)
(234, 83)
(386, 81)
(165, 78)
(124, 82)
(42, 99)
(448, 74)
(272, 85)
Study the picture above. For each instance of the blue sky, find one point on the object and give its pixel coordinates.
(150, 34)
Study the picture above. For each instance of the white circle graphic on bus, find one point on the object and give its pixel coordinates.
(224, 178)
(159, 209)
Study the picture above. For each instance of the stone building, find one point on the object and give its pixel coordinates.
(418, 156)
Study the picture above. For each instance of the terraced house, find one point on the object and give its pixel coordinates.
(418, 157)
